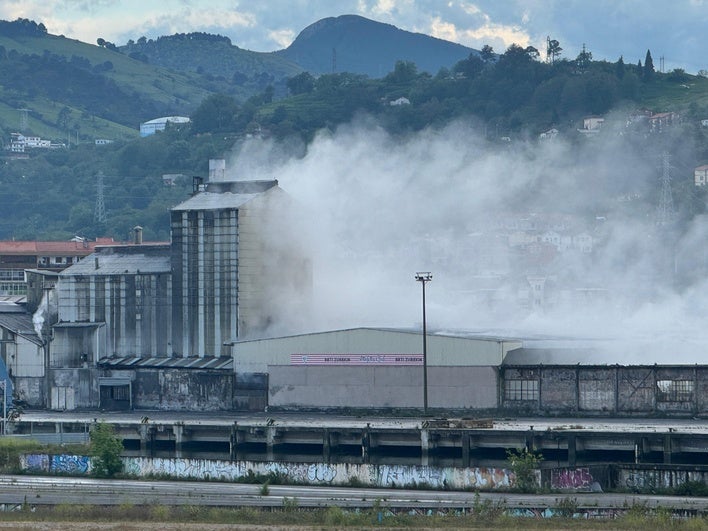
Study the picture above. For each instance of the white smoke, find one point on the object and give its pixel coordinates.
(43, 312)
(381, 208)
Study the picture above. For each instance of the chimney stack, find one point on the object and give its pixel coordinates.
(138, 235)
(217, 170)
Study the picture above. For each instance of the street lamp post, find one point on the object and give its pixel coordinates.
(424, 277)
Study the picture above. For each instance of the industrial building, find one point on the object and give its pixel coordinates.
(187, 326)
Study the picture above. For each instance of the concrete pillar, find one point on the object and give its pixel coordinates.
(178, 430)
(572, 450)
(465, 442)
(424, 447)
(326, 449)
(145, 433)
(270, 438)
(233, 442)
(667, 449)
(366, 445)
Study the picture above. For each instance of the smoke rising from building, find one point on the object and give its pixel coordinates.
(536, 237)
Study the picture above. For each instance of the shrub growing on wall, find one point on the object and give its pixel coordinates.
(524, 464)
(106, 448)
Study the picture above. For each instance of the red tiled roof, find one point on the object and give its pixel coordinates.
(51, 248)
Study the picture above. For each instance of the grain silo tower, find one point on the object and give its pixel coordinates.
(227, 243)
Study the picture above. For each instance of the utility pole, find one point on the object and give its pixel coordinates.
(424, 277)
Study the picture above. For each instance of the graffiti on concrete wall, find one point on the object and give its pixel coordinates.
(69, 464)
(648, 480)
(571, 479)
(183, 468)
(302, 473)
(35, 462)
(317, 473)
(56, 464)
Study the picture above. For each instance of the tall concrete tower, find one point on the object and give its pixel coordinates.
(224, 260)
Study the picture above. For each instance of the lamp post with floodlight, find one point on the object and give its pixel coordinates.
(424, 277)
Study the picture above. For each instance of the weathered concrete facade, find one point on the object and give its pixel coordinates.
(229, 248)
(381, 387)
(125, 289)
(602, 390)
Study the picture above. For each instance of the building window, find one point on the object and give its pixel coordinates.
(675, 390)
(521, 389)
(120, 392)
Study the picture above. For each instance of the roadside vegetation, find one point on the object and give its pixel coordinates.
(149, 516)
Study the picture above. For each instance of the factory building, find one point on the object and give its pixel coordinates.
(365, 368)
(147, 325)
(188, 326)
(229, 245)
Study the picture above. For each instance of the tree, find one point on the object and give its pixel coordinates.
(553, 50)
(105, 450)
(470, 67)
(302, 83)
(101, 41)
(648, 67)
(215, 114)
(532, 52)
(403, 72)
(487, 53)
(619, 67)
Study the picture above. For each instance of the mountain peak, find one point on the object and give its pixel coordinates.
(351, 43)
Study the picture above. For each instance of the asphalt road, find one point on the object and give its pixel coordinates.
(35, 490)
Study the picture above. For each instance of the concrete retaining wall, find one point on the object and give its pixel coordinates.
(370, 475)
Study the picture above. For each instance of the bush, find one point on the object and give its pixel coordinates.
(524, 464)
(105, 451)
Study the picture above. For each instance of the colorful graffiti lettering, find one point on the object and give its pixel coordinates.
(569, 478)
(36, 462)
(69, 464)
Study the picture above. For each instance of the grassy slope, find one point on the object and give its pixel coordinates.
(176, 90)
(666, 95)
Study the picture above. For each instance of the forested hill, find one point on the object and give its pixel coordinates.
(73, 90)
(350, 43)
(215, 57)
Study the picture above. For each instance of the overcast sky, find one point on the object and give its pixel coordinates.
(672, 30)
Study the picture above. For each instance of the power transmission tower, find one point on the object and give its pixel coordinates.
(334, 60)
(665, 211)
(24, 119)
(99, 212)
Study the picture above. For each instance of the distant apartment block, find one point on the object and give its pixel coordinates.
(700, 175)
(17, 256)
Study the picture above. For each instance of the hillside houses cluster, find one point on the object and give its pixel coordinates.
(641, 120)
(20, 143)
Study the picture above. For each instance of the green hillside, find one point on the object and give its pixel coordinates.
(106, 94)
(75, 93)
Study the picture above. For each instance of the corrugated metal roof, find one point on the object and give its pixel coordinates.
(457, 334)
(132, 362)
(119, 264)
(20, 324)
(215, 201)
